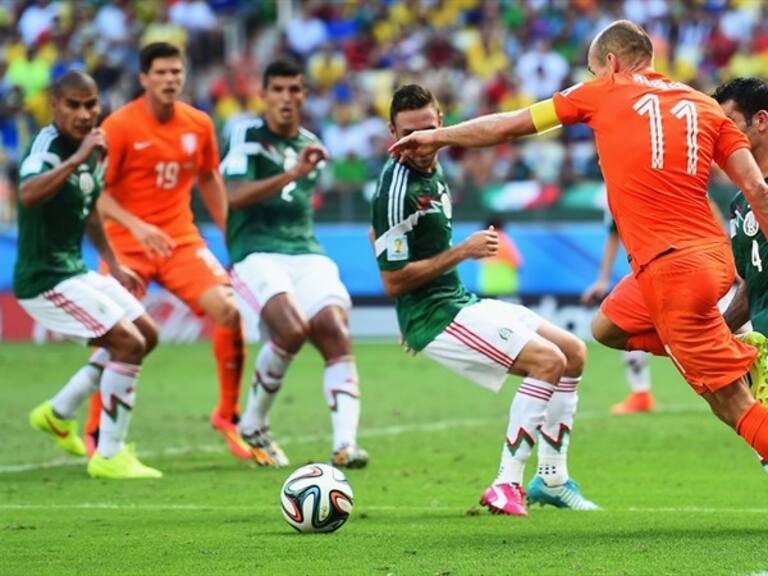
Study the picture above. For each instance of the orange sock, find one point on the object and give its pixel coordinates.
(229, 350)
(753, 427)
(648, 342)
(94, 414)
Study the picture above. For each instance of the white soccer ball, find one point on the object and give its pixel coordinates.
(316, 498)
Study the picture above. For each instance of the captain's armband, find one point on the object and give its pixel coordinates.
(544, 115)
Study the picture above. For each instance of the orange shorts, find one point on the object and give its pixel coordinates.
(677, 295)
(187, 273)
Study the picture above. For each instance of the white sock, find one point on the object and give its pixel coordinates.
(118, 394)
(555, 433)
(84, 383)
(526, 414)
(342, 393)
(637, 370)
(271, 364)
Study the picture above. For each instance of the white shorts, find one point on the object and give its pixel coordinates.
(483, 341)
(313, 279)
(83, 307)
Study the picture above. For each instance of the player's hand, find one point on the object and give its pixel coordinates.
(309, 158)
(154, 241)
(481, 244)
(419, 143)
(95, 139)
(406, 348)
(595, 293)
(128, 278)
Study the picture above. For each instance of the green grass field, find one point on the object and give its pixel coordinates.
(680, 492)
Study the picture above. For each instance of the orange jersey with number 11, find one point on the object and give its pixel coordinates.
(656, 140)
(152, 165)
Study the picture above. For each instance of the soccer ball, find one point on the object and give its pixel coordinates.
(316, 498)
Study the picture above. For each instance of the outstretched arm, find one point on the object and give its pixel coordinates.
(486, 130)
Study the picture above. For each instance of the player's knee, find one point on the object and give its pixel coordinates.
(228, 315)
(292, 336)
(603, 333)
(576, 356)
(330, 329)
(127, 344)
(548, 363)
(149, 331)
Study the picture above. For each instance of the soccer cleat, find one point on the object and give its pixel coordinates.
(264, 449)
(237, 446)
(756, 377)
(349, 456)
(506, 499)
(64, 432)
(122, 466)
(635, 403)
(565, 495)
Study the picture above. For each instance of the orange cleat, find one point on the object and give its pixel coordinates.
(635, 403)
(237, 446)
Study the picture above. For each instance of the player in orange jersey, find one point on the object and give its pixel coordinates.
(656, 140)
(158, 146)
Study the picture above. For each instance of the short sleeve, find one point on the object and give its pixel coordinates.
(391, 223)
(729, 140)
(116, 139)
(210, 160)
(240, 160)
(579, 102)
(38, 163)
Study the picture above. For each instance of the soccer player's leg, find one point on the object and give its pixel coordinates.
(623, 322)
(145, 267)
(97, 310)
(552, 483)
(485, 343)
(326, 303)
(264, 285)
(193, 274)
(682, 293)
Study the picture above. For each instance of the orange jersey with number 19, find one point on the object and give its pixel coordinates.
(151, 167)
(656, 140)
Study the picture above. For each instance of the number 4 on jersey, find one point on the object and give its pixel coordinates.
(650, 105)
(756, 261)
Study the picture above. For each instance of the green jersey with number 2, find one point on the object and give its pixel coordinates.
(282, 223)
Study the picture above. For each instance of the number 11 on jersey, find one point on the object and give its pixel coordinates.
(650, 105)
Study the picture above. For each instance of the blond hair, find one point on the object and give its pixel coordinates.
(628, 41)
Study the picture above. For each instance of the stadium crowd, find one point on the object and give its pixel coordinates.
(478, 56)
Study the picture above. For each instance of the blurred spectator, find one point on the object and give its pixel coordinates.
(305, 33)
(36, 20)
(542, 71)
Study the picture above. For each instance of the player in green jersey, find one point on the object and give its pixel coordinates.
(61, 177)
(271, 168)
(745, 101)
(482, 340)
(636, 368)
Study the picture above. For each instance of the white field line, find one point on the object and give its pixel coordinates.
(384, 431)
(421, 509)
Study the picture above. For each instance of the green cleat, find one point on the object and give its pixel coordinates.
(122, 466)
(757, 375)
(64, 432)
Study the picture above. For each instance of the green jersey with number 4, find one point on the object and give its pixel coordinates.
(282, 223)
(51, 233)
(750, 251)
(412, 222)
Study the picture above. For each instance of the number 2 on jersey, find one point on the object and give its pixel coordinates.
(650, 105)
